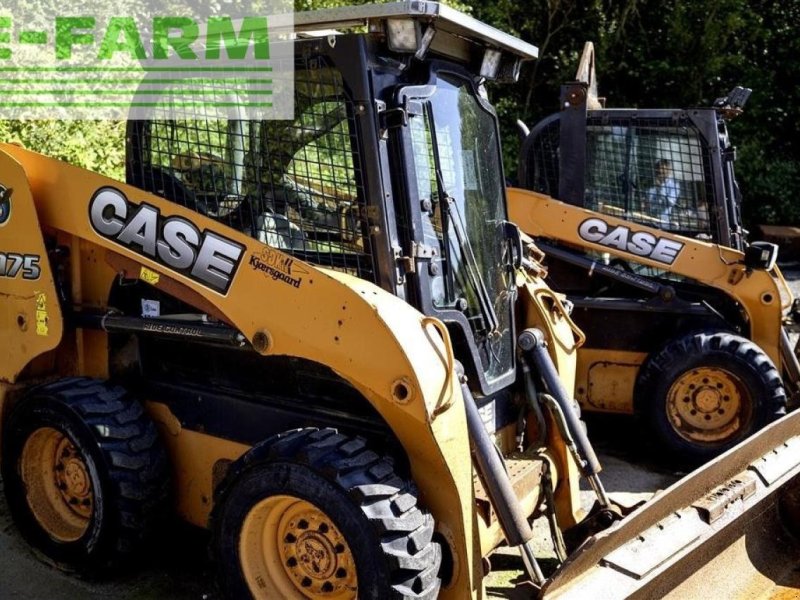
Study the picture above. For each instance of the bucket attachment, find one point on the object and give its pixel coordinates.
(730, 529)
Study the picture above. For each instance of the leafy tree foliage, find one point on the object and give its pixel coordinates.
(673, 53)
(95, 145)
(650, 53)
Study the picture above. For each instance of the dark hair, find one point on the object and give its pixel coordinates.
(663, 162)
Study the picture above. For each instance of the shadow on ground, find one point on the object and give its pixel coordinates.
(791, 271)
(176, 566)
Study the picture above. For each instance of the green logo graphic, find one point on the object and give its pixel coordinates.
(89, 63)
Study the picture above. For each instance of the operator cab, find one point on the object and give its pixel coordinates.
(669, 169)
(390, 170)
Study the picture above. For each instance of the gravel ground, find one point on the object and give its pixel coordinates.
(179, 569)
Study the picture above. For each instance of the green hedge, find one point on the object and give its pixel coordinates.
(95, 145)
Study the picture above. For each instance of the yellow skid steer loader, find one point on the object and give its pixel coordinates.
(639, 214)
(325, 334)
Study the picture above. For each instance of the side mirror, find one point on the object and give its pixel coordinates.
(761, 255)
(514, 239)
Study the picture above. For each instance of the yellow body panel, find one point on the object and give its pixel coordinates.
(370, 338)
(30, 314)
(544, 308)
(195, 459)
(606, 379)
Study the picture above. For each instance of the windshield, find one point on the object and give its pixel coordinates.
(457, 159)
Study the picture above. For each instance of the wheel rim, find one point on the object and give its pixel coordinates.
(290, 548)
(58, 484)
(708, 405)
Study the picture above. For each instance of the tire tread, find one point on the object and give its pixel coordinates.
(388, 501)
(135, 461)
(736, 349)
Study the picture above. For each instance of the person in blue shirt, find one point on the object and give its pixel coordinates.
(664, 193)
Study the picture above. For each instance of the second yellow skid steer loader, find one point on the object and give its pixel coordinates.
(327, 336)
(639, 214)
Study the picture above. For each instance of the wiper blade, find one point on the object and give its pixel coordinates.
(472, 268)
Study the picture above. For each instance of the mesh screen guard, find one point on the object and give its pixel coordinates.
(655, 172)
(294, 185)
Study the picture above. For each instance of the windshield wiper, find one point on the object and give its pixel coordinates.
(470, 262)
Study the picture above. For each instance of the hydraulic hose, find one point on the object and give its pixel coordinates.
(532, 343)
(533, 403)
(513, 520)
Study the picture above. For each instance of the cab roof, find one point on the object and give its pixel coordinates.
(445, 19)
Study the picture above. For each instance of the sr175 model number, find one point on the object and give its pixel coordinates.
(16, 265)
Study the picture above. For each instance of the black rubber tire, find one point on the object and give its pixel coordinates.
(765, 402)
(124, 458)
(389, 534)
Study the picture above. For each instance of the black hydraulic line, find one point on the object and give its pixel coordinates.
(665, 292)
(513, 520)
(791, 364)
(559, 546)
(533, 402)
(532, 343)
(199, 331)
(522, 422)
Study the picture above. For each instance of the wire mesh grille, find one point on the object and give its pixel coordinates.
(543, 170)
(650, 171)
(295, 185)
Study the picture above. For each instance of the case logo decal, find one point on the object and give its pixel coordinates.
(5, 204)
(206, 257)
(639, 243)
